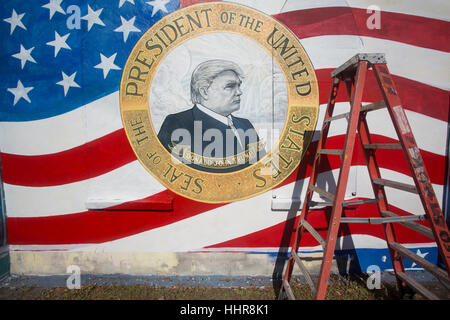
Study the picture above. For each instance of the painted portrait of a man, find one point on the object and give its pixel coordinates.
(209, 134)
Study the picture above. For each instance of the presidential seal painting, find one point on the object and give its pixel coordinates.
(219, 102)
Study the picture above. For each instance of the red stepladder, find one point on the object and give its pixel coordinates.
(353, 74)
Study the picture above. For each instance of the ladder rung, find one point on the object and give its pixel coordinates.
(411, 225)
(331, 151)
(383, 146)
(357, 202)
(305, 272)
(322, 192)
(417, 286)
(288, 290)
(396, 185)
(373, 106)
(313, 232)
(438, 272)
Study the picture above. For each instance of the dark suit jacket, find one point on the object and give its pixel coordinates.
(197, 123)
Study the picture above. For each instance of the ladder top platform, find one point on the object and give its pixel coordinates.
(372, 58)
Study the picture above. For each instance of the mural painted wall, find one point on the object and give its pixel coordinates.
(76, 193)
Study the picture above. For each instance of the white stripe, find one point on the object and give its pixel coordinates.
(44, 201)
(430, 133)
(325, 180)
(403, 200)
(44, 136)
(128, 183)
(103, 116)
(293, 5)
(425, 65)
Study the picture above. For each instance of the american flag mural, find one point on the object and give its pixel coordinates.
(72, 182)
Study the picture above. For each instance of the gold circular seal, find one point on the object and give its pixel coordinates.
(219, 102)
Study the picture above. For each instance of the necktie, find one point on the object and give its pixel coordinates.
(233, 128)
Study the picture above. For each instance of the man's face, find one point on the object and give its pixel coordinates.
(224, 94)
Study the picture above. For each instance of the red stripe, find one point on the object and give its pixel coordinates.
(98, 226)
(414, 30)
(275, 236)
(113, 151)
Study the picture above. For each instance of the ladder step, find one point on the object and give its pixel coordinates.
(396, 185)
(417, 286)
(338, 152)
(438, 272)
(322, 192)
(305, 272)
(411, 225)
(382, 146)
(313, 232)
(288, 290)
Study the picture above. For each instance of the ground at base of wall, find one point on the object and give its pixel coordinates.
(340, 288)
